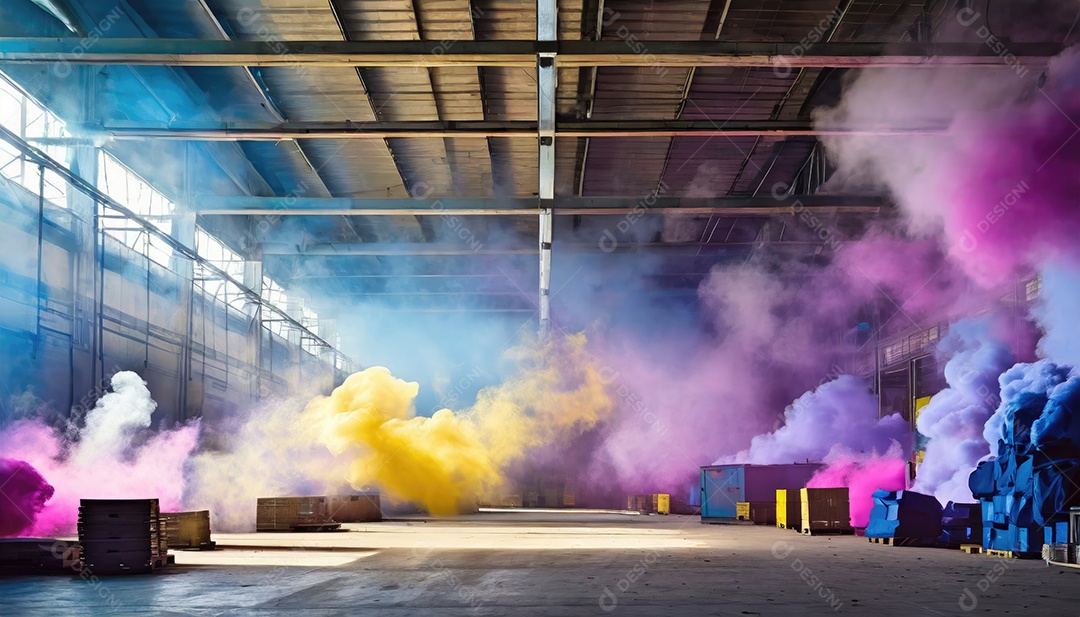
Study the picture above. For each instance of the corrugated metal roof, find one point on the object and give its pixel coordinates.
(484, 167)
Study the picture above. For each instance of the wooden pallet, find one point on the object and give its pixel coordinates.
(903, 541)
(209, 546)
(314, 527)
(971, 549)
(1012, 554)
(160, 561)
(828, 531)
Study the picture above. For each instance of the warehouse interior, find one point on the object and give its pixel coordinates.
(555, 307)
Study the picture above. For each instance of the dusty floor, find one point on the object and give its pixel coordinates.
(559, 564)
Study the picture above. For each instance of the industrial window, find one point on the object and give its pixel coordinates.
(131, 191)
(310, 320)
(1032, 288)
(275, 295)
(126, 187)
(217, 253)
(22, 115)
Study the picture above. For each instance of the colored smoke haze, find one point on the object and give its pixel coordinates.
(862, 474)
(446, 462)
(770, 333)
(271, 449)
(840, 412)
(1056, 430)
(998, 188)
(1051, 390)
(954, 418)
(24, 493)
(998, 192)
(1056, 313)
(438, 462)
(106, 460)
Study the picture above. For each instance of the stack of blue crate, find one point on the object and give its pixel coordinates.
(961, 523)
(904, 514)
(1025, 492)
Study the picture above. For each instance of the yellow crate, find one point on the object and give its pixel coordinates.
(788, 514)
(742, 510)
(781, 508)
(663, 503)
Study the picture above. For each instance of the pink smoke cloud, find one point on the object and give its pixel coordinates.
(23, 493)
(862, 474)
(105, 462)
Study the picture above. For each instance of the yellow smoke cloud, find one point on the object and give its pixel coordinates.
(433, 461)
(448, 460)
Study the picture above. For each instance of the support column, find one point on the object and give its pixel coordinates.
(183, 229)
(253, 280)
(87, 374)
(295, 308)
(546, 79)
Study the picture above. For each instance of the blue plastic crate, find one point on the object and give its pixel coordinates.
(1056, 533)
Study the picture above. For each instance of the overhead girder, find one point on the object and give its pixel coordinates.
(511, 53)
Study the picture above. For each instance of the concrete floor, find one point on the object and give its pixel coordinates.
(559, 564)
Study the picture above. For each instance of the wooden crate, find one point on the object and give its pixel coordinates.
(825, 510)
(510, 500)
(354, 508)
(757, 512)
(186, 530)
(655, 503)
(742, 510)
(292, 514)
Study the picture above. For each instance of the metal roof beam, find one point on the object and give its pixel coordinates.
(514, 53)
(765, 205)
(266, 131)
(426, 249)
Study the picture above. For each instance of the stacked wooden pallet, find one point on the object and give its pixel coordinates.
(122, 536)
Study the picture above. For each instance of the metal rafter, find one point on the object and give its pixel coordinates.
(562, 206)
(426, 249)
(514, 53)
(270, 131)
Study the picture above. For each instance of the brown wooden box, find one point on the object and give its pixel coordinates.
(825, 509)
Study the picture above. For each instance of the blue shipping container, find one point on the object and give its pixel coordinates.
(722, 486)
